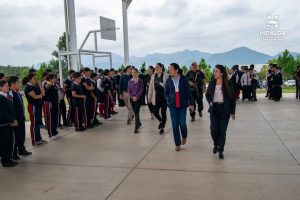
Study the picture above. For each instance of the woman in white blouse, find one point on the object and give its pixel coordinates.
(221, 99)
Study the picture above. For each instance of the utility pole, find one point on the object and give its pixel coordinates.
(125, 6)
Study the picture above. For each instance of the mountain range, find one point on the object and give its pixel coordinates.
(241, 55)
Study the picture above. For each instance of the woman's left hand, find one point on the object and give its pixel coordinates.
(232, 116)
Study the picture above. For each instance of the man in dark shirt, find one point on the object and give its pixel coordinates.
(88, 87)
(297, 79)
(68, 90)
(197, 84)
(107, 90)
(78, 99)
(124, 93)
(51, 106)
(277, 83)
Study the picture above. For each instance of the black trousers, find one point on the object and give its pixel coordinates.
(198, 99)
(218, 126)
(19, 135)
(51, 117)
(70, 116)
(151, 107)
(277, 92)
(297, 89)
(62, 112)
(246, 92)
(89, 110)
(162, 107)
(136, 105)
(6, 143)
(253, 91)
(79, 117)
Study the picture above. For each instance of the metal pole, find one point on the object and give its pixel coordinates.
(72, 32)
(60, 71)
(110, 60)
(94, 61)
(96, 42)
(67, 33)
(125, 33)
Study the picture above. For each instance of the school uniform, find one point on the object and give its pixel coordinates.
(79, 108)
(6, 134)
(35, 113)
(277, 83)
(51, 109)
(107, 85)
(95, 103)
(19, 131)
(89, 101)
(246, 84)
(62, 110)
(68, 85)
(101, 97)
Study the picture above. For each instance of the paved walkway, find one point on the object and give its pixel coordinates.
(262, 158)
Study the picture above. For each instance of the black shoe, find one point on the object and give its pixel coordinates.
(136, 131)
(162, 131)
(215, 150)
(160, 126)
(44, 142)
(91, 126)
(221, 155)
(193, 119)
(139, 124)
(25, 153)
(255, 100)
(114, 112)
(16, 158)
(200, 114)
(9, 163)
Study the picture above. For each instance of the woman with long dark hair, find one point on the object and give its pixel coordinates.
(221, 99)
(156, 95)
(179, 98)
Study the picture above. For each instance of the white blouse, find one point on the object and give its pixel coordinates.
(218, 97)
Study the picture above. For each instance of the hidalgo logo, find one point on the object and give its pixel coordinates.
(273, 31)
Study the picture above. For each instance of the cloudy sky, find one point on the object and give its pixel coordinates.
(30, 28)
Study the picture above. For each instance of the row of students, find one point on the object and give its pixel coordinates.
(12, 123)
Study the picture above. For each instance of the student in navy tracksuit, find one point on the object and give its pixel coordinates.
(88, 87)
(179, 98)
(51, 106)
(6, 123)
(68, 90)
(78, 99)
(34, 94)
(19, 114)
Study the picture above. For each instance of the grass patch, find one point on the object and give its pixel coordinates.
(284, 90)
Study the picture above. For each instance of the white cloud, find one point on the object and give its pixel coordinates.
(30, 29)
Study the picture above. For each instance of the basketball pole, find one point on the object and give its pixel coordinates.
(125, 6)
(71, 32)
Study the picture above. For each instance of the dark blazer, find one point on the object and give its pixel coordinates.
(18, 106)
(229, 102)
(186, 97)
(6, 111)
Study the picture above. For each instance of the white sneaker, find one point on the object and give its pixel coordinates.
(54, 138)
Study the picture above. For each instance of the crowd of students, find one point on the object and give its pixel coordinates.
(90, 93)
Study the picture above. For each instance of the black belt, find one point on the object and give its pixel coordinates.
(218, 103)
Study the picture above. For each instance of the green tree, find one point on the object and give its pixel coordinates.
(263, 72)
(185, 69)
(143, 67)
(122, 67)
(206, 69)
(288, 63)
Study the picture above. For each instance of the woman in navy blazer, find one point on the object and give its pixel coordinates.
(221, 99)
(179, 98)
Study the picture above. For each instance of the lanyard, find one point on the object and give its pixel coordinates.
(176, 84)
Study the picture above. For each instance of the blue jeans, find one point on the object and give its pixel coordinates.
(178, 116)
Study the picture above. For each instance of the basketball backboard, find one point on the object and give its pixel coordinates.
(108, 29)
